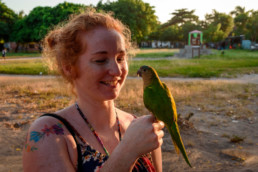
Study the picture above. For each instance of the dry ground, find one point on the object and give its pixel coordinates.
(218, 120)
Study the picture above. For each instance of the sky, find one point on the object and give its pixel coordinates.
(163, 8)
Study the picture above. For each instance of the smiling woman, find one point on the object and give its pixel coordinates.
(90, 52)
(105, 59)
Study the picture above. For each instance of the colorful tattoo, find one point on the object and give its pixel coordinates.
(29, 148)
(46, 131)
(55, 129)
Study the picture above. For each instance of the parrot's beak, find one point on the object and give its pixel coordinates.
(139, 73)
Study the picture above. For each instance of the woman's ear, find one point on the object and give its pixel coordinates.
(69, 71)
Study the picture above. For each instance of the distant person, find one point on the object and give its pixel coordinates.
(92, 134)
(4, 53)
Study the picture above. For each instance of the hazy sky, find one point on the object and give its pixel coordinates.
(163, 8)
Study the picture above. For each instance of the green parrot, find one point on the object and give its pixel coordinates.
(158, 99)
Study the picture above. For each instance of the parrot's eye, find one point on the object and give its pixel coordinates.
(144, 70)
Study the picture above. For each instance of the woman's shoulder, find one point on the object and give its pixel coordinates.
(125, 115)
(125, 118)
(46, 136)
(46, 125)
(43, 131)
(48, 129)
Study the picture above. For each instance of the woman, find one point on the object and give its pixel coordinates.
(92, 135)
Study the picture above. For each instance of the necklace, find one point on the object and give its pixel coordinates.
(94, 132)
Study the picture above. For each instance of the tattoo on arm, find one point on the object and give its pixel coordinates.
(46, 131)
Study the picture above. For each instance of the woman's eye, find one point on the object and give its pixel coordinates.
(101, 61)
(121, 59)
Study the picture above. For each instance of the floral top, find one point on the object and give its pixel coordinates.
(91, 160)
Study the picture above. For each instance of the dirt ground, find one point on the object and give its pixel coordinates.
(214, 140)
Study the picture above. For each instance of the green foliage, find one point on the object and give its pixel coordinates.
(7, 19)
(213, 33)
(171, 33)
(252, 27)
(188, 27)
(34, 27)
(178, 27)
(240, 20)
(138, 16)
(182, 16)
(219, 26)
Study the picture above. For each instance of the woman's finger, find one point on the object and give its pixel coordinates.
(159, 125)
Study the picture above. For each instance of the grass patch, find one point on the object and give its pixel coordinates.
(154, 53)
(28, 67)
(210, 96)
(50, 94)
(22, 55)
(205, 68)
(32, 95)
(231, 54)
(231, 64)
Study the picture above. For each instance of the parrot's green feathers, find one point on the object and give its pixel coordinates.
(177, 140)
(159, 100)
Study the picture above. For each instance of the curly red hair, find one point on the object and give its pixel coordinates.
(63, 46)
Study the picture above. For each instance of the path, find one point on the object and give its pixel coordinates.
(22, 58)
(252, 78)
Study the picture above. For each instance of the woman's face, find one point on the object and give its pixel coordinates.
(102, 68)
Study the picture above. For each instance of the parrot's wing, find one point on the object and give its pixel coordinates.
(148, 97)
(171, 99)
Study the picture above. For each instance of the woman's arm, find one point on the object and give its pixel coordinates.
(157, 153)
(157, 159)
(46, 148)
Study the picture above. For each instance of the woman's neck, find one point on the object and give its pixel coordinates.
(101, 115)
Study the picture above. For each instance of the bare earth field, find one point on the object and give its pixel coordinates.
(218, 120)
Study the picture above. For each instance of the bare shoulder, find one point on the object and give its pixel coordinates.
(125, 115)
(46, 146)
(45, 129)
(125, 118)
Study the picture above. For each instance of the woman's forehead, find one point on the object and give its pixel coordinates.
(103, 38)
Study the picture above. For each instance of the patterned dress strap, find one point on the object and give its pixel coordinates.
(73, 133)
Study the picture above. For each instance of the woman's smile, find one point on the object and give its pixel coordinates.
(112, 84)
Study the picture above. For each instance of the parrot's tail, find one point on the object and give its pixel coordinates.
(176, 138)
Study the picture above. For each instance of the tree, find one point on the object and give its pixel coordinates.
(183, 21)
(219, 23)
(34, 27)
(252, 27)
(188, 27)
(240, 20)
(213, 33)
(138, 16)
(182, 16)
(172, 34)
(7, 19)
(62, 11)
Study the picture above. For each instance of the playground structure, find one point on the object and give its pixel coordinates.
(195, 46)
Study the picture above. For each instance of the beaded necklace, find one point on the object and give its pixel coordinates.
(94, 132)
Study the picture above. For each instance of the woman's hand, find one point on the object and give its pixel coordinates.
(143, 135)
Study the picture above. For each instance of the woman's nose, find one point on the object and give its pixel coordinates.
(115, 69)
